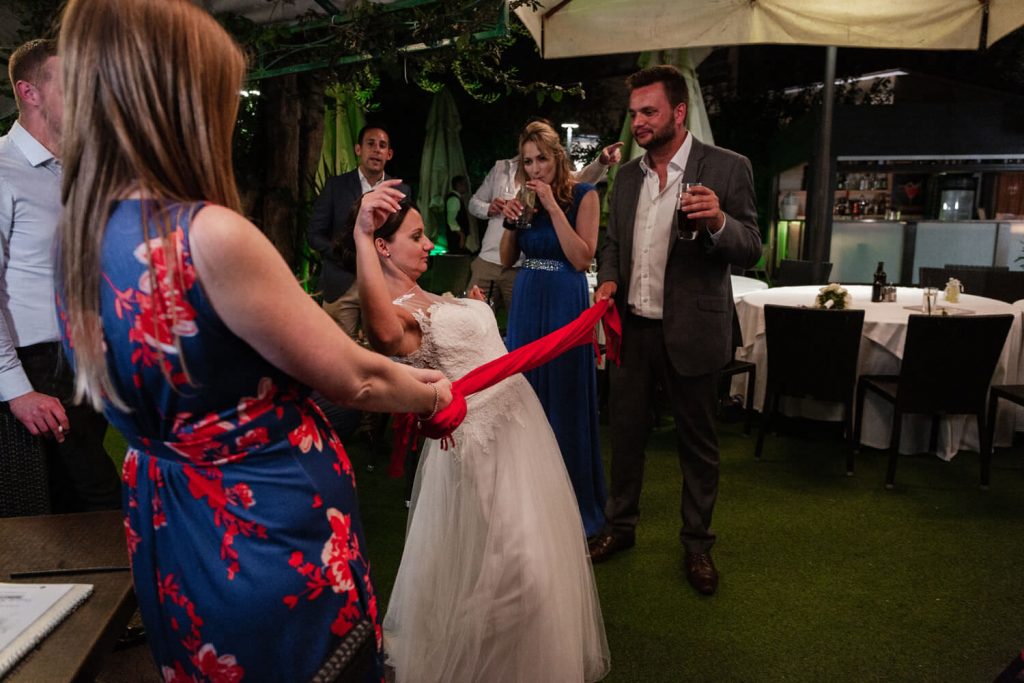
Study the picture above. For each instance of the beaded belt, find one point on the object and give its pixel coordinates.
(545, 264)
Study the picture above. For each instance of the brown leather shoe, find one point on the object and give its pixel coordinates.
(605, 545)
(701, 572)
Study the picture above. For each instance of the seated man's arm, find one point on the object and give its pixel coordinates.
(480, 204)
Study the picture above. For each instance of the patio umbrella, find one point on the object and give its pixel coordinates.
(442, 160)
(343, 118)
(573, 28)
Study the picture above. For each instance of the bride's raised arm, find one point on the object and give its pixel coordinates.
(390, 329)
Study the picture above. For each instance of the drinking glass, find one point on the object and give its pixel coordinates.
(928, 300)
(528, 198)
(686, 227)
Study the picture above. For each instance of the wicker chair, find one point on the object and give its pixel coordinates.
(24, 484)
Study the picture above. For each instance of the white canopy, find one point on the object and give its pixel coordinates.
(573, 28)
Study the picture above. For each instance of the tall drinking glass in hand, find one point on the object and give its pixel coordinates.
(528, 198)
(686, 227)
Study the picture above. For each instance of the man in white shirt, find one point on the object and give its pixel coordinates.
(36, 383)
(489, 201)
(672, 286)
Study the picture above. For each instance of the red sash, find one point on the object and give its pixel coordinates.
(578, 332)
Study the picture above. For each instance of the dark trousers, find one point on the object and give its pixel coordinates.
(82, 475)
(645, 365)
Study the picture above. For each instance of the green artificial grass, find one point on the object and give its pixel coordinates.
(824, 577)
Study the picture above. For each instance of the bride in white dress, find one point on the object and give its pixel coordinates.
(495, 584)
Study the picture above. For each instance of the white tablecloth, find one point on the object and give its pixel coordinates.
(885, 332)
(741, 286)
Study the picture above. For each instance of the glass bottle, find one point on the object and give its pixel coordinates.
(878, 283)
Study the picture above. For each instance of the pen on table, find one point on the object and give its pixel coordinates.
(65, 571)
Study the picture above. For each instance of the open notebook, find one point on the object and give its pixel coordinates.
(28, 612)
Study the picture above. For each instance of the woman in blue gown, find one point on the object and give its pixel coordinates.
(550, 291)
(189, 330)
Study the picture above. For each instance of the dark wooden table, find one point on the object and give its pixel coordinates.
(75, 650)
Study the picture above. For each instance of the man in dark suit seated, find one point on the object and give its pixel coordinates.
(672, 284)
(330, 211)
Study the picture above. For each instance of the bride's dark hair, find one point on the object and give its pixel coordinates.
(345, 244)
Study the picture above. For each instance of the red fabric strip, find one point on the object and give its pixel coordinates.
(578, 332)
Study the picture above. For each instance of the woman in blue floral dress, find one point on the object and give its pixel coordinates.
(189, 330)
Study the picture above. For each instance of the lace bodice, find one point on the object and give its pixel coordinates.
(458, 336)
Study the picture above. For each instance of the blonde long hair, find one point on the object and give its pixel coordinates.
(548, 143)
(151, 94)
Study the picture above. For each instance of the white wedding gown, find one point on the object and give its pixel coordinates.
(495, 584)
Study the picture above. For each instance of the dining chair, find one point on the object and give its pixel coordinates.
(737, 367)
(1005, 285)
(974, 280)
(352, 660)
(24, 478)
(947, 366)
(1014, 393)
(812, 353)
(793, 273)
(992, 282)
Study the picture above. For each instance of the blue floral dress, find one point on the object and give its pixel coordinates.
(240, 503)
(549, 293)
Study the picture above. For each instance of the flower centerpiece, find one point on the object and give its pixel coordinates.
(834, 296)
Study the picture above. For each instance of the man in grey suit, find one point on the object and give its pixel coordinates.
(674, 290)
(330, 211)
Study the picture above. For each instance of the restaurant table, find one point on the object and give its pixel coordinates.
(742, 285)
(881, 349)
(76, 649)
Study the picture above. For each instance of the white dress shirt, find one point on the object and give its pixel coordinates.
(652, 234)
(29, 210)
(500, 182)
(365, 184)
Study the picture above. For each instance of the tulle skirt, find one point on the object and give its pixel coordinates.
(495, 583)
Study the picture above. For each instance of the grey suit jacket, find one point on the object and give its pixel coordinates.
(330, 212)
(698, 305)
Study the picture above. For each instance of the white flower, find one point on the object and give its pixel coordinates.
(833, 295)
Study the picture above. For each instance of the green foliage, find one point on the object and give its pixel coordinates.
(431, 44)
